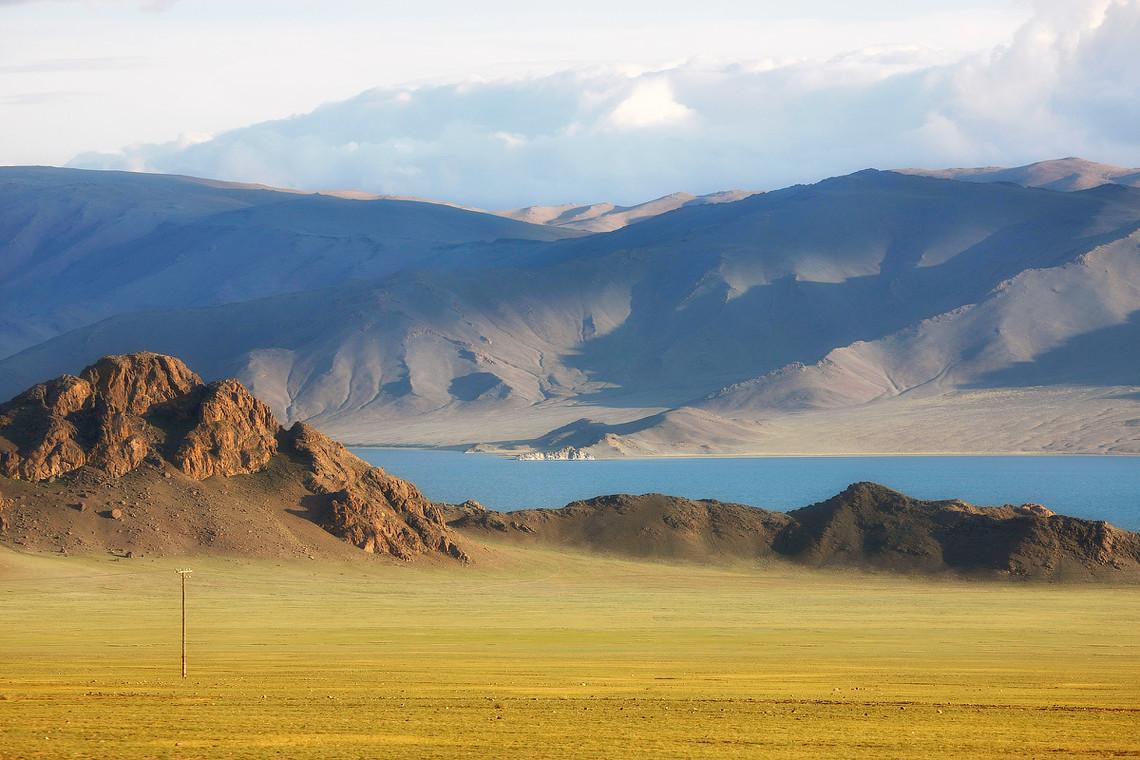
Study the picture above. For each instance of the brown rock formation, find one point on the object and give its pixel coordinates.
(368, 507)
(133, 383)
(233, 434)
(5, 503)
(129, 413)
(95, 419)
(37, 439)
(111, 417)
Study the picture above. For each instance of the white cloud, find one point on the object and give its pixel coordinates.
(651, 104)
(1065, 84)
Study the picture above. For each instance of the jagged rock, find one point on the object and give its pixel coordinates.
(123, 443)
(103, 419)
(234, 434)
(133, 383)
(368, 507)
(37, 441)
(1040, 510)
(95, 419)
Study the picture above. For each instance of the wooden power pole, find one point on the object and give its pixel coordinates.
(184, 573)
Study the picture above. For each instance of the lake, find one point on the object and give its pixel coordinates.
(1093, 487)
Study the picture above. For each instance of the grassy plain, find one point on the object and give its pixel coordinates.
(556, 655)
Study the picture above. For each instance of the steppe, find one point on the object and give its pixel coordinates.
(545, 653)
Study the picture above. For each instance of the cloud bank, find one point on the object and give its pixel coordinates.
(1066, 84)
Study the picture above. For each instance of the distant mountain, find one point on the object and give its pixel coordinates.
(83, 245)
(875, 312)
(1046, 360)
(1066, 174)
(865, 526)
(606, 217)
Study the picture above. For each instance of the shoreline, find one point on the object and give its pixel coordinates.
(762, 455)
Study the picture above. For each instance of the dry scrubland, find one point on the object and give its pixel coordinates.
(552, 655)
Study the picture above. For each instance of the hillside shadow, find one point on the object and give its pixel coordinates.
(1109, 356)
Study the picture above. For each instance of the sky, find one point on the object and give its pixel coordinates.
(507, 103)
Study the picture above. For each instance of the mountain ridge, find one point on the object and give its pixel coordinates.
(504, 342)
(866, 526)
(1064, 174)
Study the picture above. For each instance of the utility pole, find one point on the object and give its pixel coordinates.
(184, 573)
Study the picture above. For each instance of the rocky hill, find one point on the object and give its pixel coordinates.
(866, 526)
(137, 454)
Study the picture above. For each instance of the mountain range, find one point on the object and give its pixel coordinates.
(877, 312)
(138, 455)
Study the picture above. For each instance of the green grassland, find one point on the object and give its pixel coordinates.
(544, 654)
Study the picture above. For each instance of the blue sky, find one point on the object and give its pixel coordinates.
(512, 102)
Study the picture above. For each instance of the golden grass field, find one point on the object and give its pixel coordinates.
(551, 655)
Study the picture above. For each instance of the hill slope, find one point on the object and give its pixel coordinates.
(1063, 336)
(865, 526)
(82, 245)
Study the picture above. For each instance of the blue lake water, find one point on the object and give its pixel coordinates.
(1099, 488)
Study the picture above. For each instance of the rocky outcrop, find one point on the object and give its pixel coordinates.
(367, 506)
(567, 453)
(134, 383)
(126, 411)
(5, 503)
(96, 419)
(646, 526)
(121, 408)
(233, 434)
(38, 440)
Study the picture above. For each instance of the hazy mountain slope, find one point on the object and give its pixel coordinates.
(1036, 312)
(83, 245)
(745, 288)
(1070, 326)
(415, 346)
(606, 217)
(1065, 174)
(509, 340)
